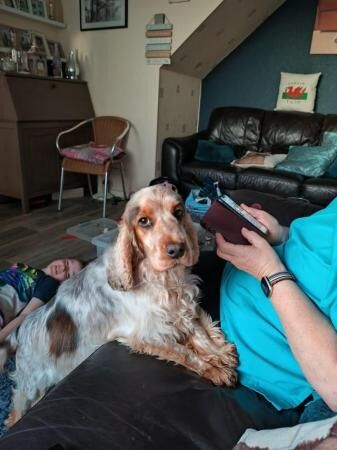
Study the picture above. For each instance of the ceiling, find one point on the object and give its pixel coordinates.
(220, 33)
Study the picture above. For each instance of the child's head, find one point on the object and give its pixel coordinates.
(61, 269)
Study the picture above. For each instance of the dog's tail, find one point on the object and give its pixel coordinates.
(7, 348)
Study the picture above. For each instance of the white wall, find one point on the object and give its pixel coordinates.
(120, 82)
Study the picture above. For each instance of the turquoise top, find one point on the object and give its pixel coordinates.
(249, 320)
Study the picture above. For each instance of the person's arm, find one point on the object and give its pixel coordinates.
(33, 304)
(312, 338)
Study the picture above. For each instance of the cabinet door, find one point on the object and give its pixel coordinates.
(43, 99)
(40, 159)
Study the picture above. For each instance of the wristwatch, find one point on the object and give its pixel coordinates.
(268, 282)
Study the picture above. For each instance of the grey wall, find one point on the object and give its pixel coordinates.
(250, 75)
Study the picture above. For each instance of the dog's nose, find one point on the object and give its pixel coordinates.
(175, 250)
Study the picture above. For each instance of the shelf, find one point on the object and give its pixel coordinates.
(17, 12)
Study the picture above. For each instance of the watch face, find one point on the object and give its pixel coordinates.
(266, 286)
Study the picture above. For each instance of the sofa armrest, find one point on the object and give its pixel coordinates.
(176, 151)
(117, 399)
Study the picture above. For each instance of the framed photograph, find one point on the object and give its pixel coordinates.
(10, 3)
(39, 8)
(8, 38)
(51, 50)
(41, 43)
(24, 5)
(103, 14)
(24, 39)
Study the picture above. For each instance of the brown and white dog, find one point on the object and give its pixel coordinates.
(138, 293)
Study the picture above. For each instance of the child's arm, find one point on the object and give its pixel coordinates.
(33, 304)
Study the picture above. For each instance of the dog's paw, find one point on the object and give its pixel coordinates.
(223, 376)
(218, 337)
(11, 420)
(229, 355)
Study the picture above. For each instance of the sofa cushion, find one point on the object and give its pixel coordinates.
(319, 190)
(236, 126)
(331, 172)
(309, 161)
(212, 152)
(266, 180)
(281, 129)
(258, 159)
(297, 92)
(330, 138)
(197, 171)
(329, 123)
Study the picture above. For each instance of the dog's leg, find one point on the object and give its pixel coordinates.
(212, 328)
(19, 406)
(182, 355)
(218, 341)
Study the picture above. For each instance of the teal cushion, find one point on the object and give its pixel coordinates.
(332, 170)
(308, 161)
(212, 152)
(330, 138)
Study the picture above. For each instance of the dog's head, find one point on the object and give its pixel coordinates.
(155, 227)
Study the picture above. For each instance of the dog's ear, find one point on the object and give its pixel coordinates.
(193, 240)
(126, 254)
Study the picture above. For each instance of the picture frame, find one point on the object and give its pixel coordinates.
(38, 8)
(103, 14)
(51, 49)
(24, 6)
(41, 43)
(8, 35)
(9, 3)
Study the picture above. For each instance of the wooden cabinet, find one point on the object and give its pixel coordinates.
(33, 111)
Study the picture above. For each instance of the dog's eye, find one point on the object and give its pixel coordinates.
(178, 213)
(145, 222)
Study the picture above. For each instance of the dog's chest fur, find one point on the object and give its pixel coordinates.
(154, 313)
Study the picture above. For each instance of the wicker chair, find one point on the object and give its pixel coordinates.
(109, 131)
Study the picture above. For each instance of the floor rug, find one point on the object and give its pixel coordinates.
(6, 384)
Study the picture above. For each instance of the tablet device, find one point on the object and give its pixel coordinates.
(228, 218)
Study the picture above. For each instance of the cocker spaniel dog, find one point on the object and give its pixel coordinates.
(139, 293)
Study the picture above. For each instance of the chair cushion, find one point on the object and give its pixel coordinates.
(91, 153)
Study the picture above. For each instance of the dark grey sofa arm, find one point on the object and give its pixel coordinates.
(176, 151)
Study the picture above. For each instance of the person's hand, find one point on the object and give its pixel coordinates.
(258, 259)
(276, 232)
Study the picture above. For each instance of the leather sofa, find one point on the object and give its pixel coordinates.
(119, 400)
(252, 129)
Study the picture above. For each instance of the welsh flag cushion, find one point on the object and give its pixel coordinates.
(297, 92)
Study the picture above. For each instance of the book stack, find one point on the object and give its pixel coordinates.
(158, 43)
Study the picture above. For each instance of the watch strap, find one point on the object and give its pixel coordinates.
(269, 281)
(279, 276)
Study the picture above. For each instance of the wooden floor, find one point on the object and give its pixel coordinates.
(41, 236)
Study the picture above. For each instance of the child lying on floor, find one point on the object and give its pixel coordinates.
(24, 289)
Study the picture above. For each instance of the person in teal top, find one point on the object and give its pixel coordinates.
(286, 340)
